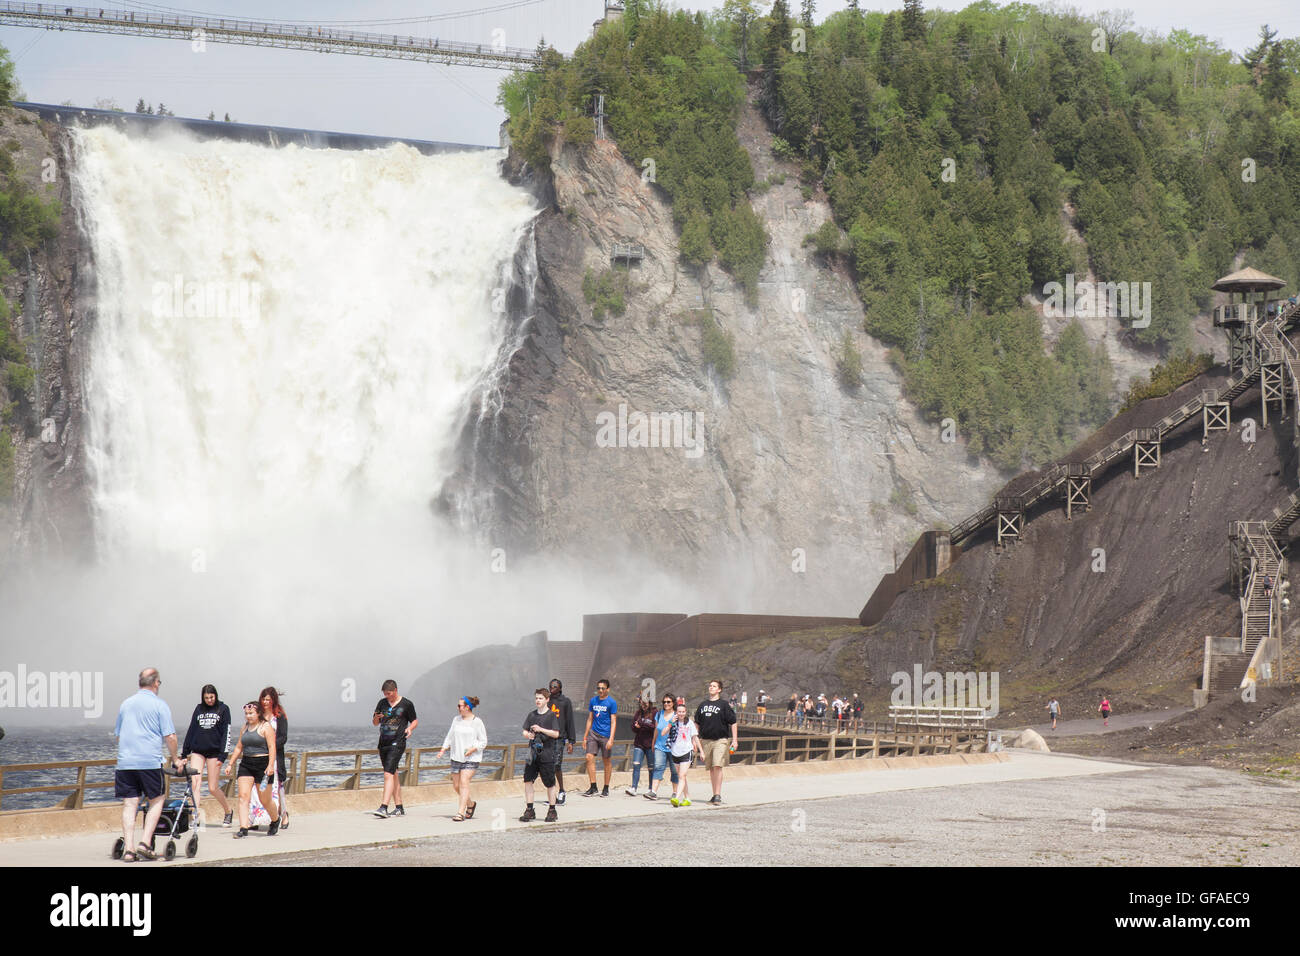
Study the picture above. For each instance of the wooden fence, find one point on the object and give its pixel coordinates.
(313, 771)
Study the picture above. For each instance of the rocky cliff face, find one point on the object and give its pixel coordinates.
(48, 515)
(803, 492)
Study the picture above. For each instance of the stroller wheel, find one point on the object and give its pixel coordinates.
(170, 852)
(118, 846)
(192, 847)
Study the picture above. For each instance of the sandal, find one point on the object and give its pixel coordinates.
(459, 818)
(142, 852)
(469, 811)
(128, 857)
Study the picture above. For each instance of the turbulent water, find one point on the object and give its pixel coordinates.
(284, 347)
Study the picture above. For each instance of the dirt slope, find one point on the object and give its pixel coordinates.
(1043, 613)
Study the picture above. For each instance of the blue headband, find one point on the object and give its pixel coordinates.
(467, 703)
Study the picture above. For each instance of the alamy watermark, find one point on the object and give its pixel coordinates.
(39, 690)
(947, 689)
(1094, 300)
(634, 429)
(195, 299)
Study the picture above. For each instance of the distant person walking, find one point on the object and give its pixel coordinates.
(716, 722)
(857, 709)
(395, 717)
(598, 737)
(207, 743)
(542, 731)
(683, 741)
(643, 743)
(1054, 708)
(744, 699)
(663, 754)
(760, 703)
(144, 727)
(466, 738)
(563, 708)
(1105, 711)
(255, 752)
(790, 707)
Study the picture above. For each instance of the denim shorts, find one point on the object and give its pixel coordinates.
(458, 765)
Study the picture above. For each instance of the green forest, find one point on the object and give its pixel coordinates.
(954, 149)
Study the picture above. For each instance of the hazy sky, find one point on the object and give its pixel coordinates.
(453, 104)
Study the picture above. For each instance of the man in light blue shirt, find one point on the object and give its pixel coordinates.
(144, 725)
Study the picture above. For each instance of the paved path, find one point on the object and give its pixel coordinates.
(1093, 725)
(328, 831)
(1147, 816)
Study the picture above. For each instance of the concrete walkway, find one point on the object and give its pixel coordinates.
(1085, 726)
(352, 828)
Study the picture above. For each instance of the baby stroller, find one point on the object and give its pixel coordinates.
(174, 821)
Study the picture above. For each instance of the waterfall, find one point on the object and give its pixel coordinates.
(283, 337)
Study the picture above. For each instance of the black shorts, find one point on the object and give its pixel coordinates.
(684, 758)
(543, 768)
(138, 783)
(390, 755)
(254, 767)
(211, 755)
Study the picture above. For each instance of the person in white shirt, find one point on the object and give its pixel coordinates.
(466, 738)
(683, 743)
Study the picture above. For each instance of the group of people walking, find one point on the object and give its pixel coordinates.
(667, 741)
(144, 728)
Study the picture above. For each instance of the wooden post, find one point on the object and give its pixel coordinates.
(354, 782)
(780, 749)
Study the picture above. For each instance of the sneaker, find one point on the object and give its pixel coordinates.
(551, 815)
(382, 812)
(559, 801)
(590, 791)
(674, 802)
(605, 792)
(228, 819)
(651, 795)
(274, 828)
(397, 811)
(631, 791)
(686, 802)
(716, 799)
(241, 832)
(529, 814)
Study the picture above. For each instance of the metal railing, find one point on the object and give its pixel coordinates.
(349, 769)
(264, 33)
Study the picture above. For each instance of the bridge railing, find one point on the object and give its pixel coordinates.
(104, 18)
(333, 770)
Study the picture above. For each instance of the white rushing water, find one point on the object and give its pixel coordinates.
(282, 336)
(282, 352)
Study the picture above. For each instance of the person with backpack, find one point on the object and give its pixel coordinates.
(1054, 708)
(542, 731)
(1105, 711)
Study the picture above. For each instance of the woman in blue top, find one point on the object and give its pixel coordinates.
(663, 721)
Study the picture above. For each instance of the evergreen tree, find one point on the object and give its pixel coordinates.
(140, 107)
(913, 22)
(1277, 80)
(808, 10)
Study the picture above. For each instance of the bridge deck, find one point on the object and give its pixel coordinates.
(58, 16)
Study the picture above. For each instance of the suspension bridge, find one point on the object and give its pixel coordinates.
(288, 36)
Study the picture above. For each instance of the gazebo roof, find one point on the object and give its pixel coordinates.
(1248, 280)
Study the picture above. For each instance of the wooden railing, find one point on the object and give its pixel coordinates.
(506, 761)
